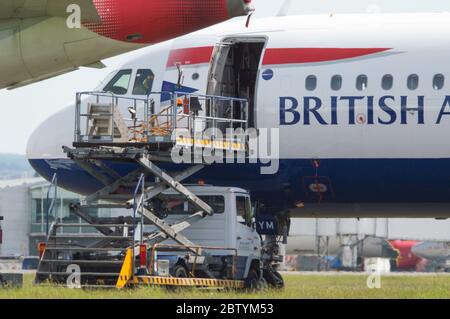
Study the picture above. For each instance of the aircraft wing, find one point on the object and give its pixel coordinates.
(23, 9)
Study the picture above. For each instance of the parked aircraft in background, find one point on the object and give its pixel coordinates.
(398, 251)
(362, 103)
(367, 247)
(407, 260)
(437, 253)
(42, 39)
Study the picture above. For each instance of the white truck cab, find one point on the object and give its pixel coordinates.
(231, 227)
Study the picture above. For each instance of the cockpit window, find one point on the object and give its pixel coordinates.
(119, 83)
(144, 82)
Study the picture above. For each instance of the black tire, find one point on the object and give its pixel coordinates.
(180, 272)
(280, 280)
(273, 278)
(252, 280)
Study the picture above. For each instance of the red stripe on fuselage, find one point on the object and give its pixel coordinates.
(314, 55)
(189, 56)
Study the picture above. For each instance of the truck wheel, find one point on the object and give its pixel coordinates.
(253, 282)
(180, 272)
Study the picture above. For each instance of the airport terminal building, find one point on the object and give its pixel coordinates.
(15, 207)
(24, 205)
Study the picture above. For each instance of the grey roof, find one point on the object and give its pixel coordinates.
(21, 182)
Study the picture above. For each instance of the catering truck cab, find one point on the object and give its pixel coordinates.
(232, 246)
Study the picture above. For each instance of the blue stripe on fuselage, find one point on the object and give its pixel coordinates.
(341, 180)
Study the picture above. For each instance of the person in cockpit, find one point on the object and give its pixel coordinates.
(144, 83)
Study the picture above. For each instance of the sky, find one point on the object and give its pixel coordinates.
(22, 110)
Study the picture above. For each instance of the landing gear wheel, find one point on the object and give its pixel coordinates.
(273, 278)
(263, 284)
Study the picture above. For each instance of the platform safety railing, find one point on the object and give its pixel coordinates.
(212, 118)
(159, 117)
(137, 111)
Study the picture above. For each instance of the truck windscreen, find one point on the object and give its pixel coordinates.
(181, 207)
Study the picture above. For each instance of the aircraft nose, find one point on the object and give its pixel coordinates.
(238, 8)
(46, 141)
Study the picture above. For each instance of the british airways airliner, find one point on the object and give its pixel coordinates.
(362, 103)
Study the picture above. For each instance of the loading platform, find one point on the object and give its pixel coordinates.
(116, 255)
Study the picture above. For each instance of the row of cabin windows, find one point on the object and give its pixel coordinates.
(387, 82)
(143, 83)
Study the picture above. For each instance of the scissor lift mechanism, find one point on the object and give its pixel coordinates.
(113, 145)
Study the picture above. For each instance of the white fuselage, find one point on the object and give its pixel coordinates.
(362, 103)
(433, 251)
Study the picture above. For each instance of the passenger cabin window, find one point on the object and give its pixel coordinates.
(413, 82)
(387, 82)
(336, 83)
(244, 210)
(361, 82)
(438, 82)
(119, 83)
(144, 82)
(311, 83)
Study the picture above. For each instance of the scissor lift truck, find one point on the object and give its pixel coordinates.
(231, 248)
(168, 234)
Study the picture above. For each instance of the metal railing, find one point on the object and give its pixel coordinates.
(199, 116)
(139, 110)
(212, 118)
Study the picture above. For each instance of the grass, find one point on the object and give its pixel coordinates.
(305, 286)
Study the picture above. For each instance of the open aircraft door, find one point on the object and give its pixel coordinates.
(234, 70)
